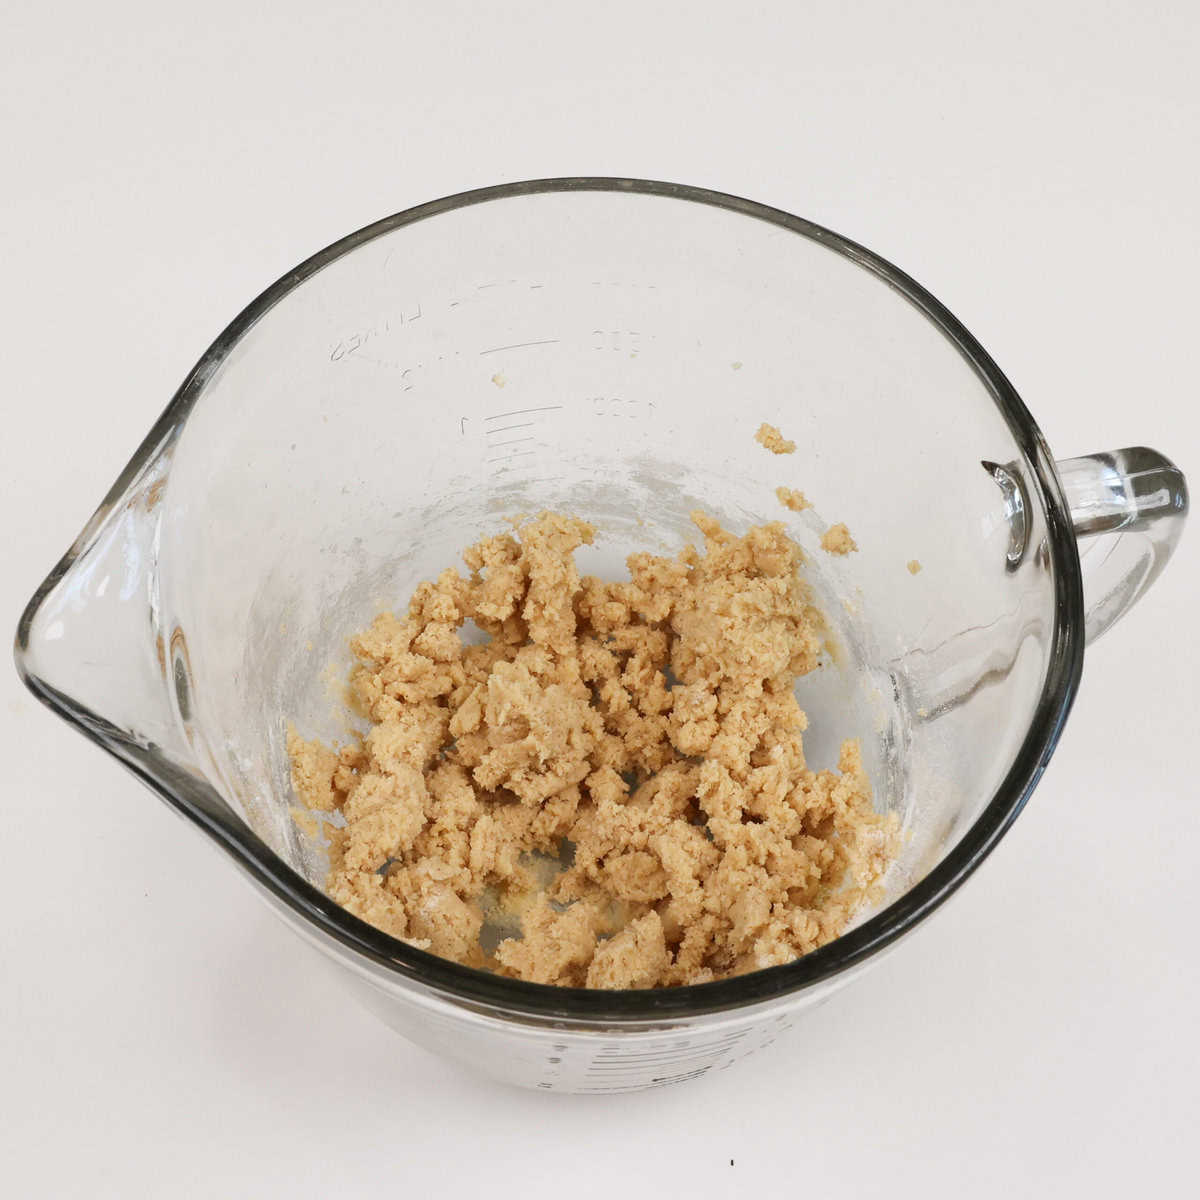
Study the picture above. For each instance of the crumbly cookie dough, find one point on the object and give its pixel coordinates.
(914, 566)
(770, 437)
(791, 498)
(837, 540)
(618, 768)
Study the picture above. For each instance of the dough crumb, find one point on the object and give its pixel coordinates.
(791, 498)
(913, 566)
(613, 783)
(837, 540)
(737, 366)
(773, 440)
(305, 822)
(499, 380)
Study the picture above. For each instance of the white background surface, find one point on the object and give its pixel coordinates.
(1034, 164)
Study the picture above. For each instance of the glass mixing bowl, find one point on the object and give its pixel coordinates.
(606, 347)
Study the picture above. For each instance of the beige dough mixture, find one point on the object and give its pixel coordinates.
(615, 778)
(837, 540)
(792, 499)
(771, 439)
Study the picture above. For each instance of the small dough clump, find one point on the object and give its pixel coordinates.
(773, 440)
(791, 498)
(618, 767)
(914, 566)
(837, 540)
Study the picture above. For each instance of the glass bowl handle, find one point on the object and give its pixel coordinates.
(1128, 508)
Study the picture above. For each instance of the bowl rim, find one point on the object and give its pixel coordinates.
(203, 806)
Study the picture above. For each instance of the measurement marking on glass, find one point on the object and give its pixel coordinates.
(507, 428)
(519, 346)
(635, 1087)
(667, 1051)
(611, 1063)
(667, 1060)
(511, 442)
(618, 1064)
(510, 457)
(600, 1078)
(520, 412)
(726, 1039)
